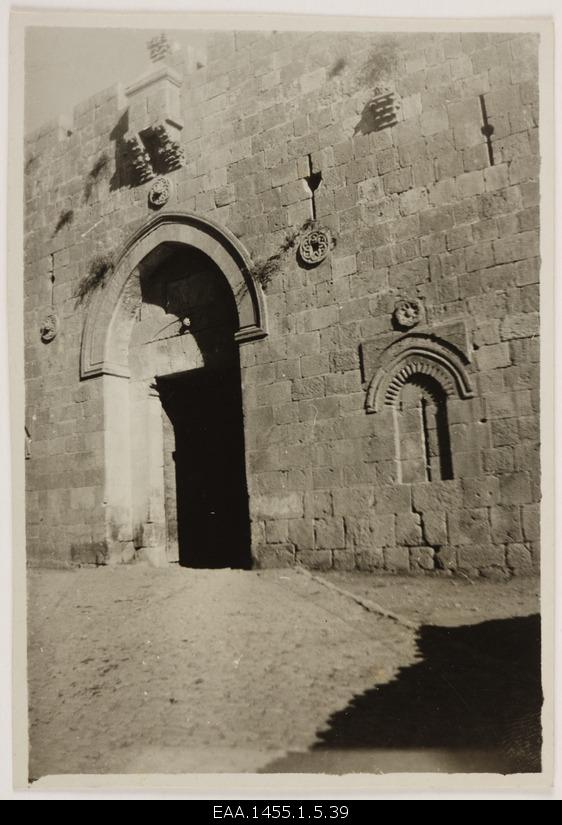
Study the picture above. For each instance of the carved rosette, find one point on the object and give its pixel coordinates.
(159, 193)
(407, 313)
(49, 328)
(314, 246)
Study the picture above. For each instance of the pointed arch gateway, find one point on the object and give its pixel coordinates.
(101, 353)
(161, 336)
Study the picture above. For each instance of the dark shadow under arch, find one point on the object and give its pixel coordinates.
(101, 349)
(204, 409)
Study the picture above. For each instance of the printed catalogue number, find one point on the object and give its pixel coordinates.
(292, 811)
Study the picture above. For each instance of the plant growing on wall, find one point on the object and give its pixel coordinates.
(100, 267)
(380, 64)
(337, 68)
(65, 218)
(94, 174)
(380, 111)
(264, 271)
(30, 162)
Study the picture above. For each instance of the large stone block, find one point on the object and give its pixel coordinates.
(434, 527)
(301, 533)
(436, 220)
(530, 516)
(408, 529)
(524, 325)
(509, 404)
(278, 505)
(469, 526)
(519, 559)
(392, 499)
(515, 488)
(343, 560)
(308, 388)
(445, 495)
(506, 524)
(397, 559)
(397, 181)
(353, 501)
(329, 533)
(274, 556)
(368, 560)
(318, 503)
(277, 532)
(434, 121)
(493, 357)
(480, 556)
(316, 559)
(422, 558)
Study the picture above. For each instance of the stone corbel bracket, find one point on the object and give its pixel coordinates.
(154, 136)
(139, 158)
(169, 153)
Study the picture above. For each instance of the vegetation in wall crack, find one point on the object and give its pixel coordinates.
(380, 64)
(65, 218)
(100, 267)
(30, 162)
(337, 68)
(101, 163)
(264, 271)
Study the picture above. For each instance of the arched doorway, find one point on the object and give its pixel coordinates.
(184, 337)
(163, 337)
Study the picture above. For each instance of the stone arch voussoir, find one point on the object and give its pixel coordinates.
(102, 353)
(409, 357)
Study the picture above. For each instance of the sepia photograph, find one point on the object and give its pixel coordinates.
(281, 352)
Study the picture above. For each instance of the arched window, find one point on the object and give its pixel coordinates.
(415, 381)
(422, 431)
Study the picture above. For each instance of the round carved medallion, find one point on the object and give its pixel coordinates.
(159, 193)
(314, 246)
(407, 313)
(49, 328)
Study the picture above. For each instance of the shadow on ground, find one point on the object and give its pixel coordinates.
(471, 703)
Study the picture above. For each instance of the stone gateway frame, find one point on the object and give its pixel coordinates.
(134, 506)
(101, 353)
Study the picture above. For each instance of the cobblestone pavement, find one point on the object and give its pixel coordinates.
(142, 670)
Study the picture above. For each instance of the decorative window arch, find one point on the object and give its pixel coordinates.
(415, 378)
(417, 354)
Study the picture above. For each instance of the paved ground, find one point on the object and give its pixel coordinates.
(444, 600)
(142, 670)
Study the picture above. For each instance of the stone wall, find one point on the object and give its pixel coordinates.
(419, 157)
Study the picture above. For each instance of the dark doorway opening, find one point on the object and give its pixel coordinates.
(213, 523)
